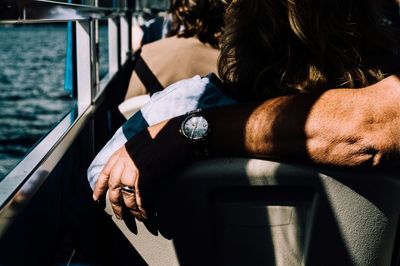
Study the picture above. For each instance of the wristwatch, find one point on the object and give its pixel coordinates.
(196, 129)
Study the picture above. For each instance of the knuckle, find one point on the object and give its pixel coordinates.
(113, 184)
(128, 196)
(136, 214)
(128, 180)
(116, 206)
(115, 199)
(131, 204)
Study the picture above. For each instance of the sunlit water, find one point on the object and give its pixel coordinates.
(32, 96)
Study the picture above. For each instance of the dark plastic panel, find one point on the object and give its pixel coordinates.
(234, 211)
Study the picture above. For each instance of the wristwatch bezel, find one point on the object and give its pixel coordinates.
(189, 116)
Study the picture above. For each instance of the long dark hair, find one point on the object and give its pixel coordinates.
(203, 19)
(277, 47)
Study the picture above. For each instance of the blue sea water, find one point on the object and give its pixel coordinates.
(32, 96)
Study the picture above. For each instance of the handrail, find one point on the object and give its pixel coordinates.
(46, 11)
(19, 186)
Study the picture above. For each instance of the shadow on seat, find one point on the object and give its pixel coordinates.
(235, 211)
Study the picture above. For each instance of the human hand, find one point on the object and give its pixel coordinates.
(121, 172)
(134, 170)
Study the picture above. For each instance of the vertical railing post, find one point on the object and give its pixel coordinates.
(95, 57)
(83, 65)
(124, 26)
(113, 46)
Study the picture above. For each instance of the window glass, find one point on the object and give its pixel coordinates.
(32, 94)
(103, 48)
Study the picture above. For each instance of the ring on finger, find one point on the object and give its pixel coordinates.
(127, 189)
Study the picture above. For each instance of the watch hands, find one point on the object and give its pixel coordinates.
(194, 129)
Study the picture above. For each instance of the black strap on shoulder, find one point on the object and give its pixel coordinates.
(147, 77)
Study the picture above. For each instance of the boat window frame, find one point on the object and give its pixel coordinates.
(29, 174)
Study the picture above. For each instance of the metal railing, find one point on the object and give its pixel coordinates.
(20, 185)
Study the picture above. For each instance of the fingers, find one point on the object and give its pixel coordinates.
(114, 192)
(102, 182)
(116, 202)
(121, 171)
(139, 201)
(128, 179)
(132, 199)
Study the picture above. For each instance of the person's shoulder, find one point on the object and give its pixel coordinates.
(195, 44)
(164, 42)
(161, 48)
(175, 42)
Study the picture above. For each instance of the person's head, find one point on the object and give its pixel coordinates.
(203, 19)
(278, 47)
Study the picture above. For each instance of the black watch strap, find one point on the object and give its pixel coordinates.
(200, 145)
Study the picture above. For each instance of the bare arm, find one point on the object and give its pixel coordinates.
(342, 127)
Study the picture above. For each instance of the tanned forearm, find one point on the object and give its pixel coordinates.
(341, 127)
(356, 127)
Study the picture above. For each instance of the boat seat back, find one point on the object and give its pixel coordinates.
(236, 211)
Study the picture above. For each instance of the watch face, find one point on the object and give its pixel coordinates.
(195, 127)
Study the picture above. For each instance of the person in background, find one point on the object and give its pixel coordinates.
(191, 47)
(151, 24)
(150, 30)
(300, 85)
